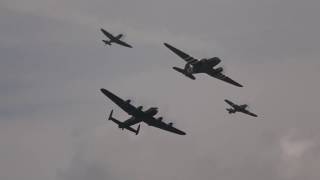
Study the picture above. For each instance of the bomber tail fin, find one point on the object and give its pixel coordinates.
(138, 129)
(110, 115)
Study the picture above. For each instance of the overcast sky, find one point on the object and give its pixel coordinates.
(53, 63)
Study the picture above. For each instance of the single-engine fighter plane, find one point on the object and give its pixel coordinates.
(121, 126)
(238, 108)
(114, 39)
(138, 115)
(195, 66)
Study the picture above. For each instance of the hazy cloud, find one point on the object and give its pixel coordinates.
(52, 115)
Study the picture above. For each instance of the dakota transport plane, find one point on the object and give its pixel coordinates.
(195, 66)
(138, 115)
(114, 39)
(239, 108)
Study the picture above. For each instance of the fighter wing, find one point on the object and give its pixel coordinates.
(230, 103)
(122, 43)
(110, 36)
(225, 78)
(181, 54)
(127, 107)
(162, 125)
(249, 113)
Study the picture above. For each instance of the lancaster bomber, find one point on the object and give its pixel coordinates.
(195, 66)
(238, 108)
(138, 115)
(114, 39)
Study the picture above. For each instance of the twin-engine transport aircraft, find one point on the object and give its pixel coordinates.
(114, 39)
(238, 108)
(194, 66)
(138, 115)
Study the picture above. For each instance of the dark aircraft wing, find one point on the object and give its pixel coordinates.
(127, 107)
(225, 78)
(181, 54)
(122, 43)
(230, 103)
(249, 113)
(110, 36)
(162, 125)
(131, 121)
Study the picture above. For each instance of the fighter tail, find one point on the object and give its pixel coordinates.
(106, 42)
(230, 111)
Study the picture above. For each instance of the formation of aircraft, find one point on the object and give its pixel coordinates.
(138, 115)
(114, 39)
(238, 108)
(195, 66)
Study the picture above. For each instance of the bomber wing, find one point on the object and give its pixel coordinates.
(185, 56)
(127, 107)
(249, 113)
(225, 78)
(162, 125)
(230, 103)
(122, 43)
(110, 36)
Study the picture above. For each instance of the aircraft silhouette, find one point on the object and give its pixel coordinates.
(114, 39)
(195, 66)
(239, 108)
(138, 115)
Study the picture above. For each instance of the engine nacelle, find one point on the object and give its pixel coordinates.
(219, 70)
(160, 118)
(170, 124)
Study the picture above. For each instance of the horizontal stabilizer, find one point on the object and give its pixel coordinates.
(106, 42)
(230, 111)
(184, 72)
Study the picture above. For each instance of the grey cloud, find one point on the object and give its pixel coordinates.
(53, 64)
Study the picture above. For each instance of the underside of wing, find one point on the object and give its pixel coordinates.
(250, 113)
(162, 125)
(131, 121)
(123, 43)
(225, 78)
(127, 107)
(229, 102)
(110, 36)
(181, 54)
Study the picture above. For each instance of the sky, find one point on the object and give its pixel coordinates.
(53, 116)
